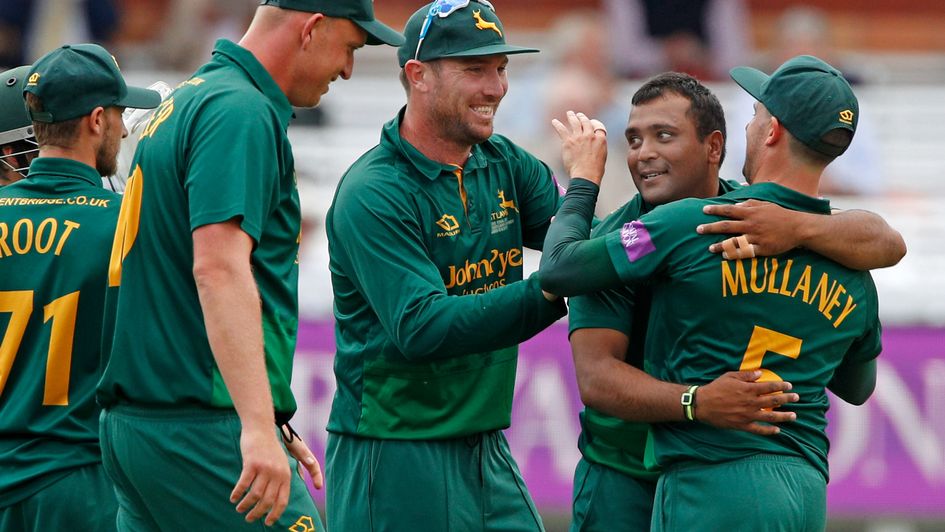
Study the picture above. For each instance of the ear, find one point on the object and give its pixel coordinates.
(97, 120)
(715, 143)
(312, 24)
(775, 131)
(417, 75)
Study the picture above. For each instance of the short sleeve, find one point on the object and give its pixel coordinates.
(233, 165)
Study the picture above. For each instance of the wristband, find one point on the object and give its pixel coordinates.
(688, 402)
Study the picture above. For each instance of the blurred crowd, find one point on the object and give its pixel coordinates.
(589, 52)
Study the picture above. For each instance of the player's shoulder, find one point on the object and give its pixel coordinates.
(629, 211)
(379, 171)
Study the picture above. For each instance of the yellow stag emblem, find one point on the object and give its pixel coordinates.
(504, 203)
(485, 25)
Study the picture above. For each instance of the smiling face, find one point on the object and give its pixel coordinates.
(667, 159)
(465, 94)
(327, 57)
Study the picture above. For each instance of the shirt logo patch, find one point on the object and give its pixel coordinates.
(504, 203)
(304, 524)
(485, 24)
(636, 240)
(449, 225)
(501, 220)
(846, 116)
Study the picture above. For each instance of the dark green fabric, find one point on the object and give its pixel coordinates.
(473, 30)
(571, 265)
(74, 79)
(361, 12)
(799, 313)
(216, 150)
(56, 230)
(13, 112)
(606, 500)
(763, 493)
(808, 96)
(430, 302)
(191, 491)
(826, 311)
(607, 440)
(84, 499)
(470, 484)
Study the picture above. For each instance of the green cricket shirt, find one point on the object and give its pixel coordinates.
(430, 304)
(796, 316)
(604, 439)
(56, 230)
(216, 149)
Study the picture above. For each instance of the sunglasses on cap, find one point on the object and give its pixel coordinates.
(443, 9)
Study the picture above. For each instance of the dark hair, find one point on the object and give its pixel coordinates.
(839, 138)
(704, 107)
(61, 134)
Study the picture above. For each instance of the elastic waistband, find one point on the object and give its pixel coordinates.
(757, 458)
(170, 413)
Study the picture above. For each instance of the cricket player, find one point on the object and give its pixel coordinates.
(798, 316)
(205, 269)
(56, 229)
(425, 236)
(17, 142)
(676, 130)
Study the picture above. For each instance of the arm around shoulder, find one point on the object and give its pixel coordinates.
(858, 239)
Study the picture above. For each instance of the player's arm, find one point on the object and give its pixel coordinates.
(379, 240)
(570, 263)
(857, 239)
(610, 385)
(855, 378)
(230, 303)
(854, 381)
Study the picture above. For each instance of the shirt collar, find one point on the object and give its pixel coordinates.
(428, 167)
(784, 196)
(245, 60)
(58, 167)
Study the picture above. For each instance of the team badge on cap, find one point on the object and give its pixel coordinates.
(846, 116)
(485, 24)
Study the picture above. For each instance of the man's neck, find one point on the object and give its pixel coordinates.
(425, 137)
(78, 154)
(790, 173)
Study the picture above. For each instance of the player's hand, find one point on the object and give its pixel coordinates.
(583, 146)
(768, 228)
(300, 451)
(263, 486)
(736, 401)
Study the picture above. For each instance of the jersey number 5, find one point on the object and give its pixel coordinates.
(765, 340)
(62, 312)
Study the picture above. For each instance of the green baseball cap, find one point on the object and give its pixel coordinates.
(808, 96)
(361, 12)
(15, 122)
(456, 28)
(75, 79)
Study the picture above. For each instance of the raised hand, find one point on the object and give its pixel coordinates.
(583, 146)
